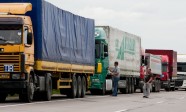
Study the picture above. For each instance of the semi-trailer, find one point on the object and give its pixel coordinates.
(43, 47)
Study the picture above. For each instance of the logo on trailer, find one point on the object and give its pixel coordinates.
(127, 45)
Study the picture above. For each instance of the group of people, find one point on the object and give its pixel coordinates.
(116, 76)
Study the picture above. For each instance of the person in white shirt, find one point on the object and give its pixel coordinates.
(115, 78)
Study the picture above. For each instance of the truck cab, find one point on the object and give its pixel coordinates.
(165, 68)
(98, 83)
(16, 47)
(181, 73)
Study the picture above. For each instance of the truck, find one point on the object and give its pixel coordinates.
(169, 67)
(42, 48)
(113, 45)
(181, 72)
(154, 62)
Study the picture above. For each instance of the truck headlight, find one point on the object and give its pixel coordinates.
(15, 76)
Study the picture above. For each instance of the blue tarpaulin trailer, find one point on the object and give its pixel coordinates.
(60, 36)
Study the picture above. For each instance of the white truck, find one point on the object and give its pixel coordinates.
(154, 62)
(124, 48)
(181, 72)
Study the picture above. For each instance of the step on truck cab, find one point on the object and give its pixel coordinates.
(120, 46)
(43, 47)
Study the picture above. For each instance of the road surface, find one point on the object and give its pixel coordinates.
(158, 102)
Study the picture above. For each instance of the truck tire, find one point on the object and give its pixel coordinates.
(29, 92)
(103, 90)
(130, 86)
(48, 87)
(94, 92)
(125, 90)
(73, 90)
(172, 88)
(3, 97)
(133, 88)
(79, 87)
(168, 87)
(83, 84)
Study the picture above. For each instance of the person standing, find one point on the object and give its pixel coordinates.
(147, 83)
(115, 78)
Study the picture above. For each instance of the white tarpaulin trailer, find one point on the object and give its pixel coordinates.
(124, 48)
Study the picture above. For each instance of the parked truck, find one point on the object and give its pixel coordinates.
(43, 47)
(115, 45)
(154, 62)
(169, 67)
(181, 72)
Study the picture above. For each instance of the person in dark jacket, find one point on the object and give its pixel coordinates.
(147, 83)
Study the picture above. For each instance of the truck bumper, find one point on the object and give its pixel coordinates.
(96, 82)
(165, 84)
(12, 86)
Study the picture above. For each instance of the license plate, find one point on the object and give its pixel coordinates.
(9, 68)
(4, 76)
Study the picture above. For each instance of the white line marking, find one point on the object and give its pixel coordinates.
(181, 98)
(122, 110)
(49, 101)
(34, 103)
(160, 102)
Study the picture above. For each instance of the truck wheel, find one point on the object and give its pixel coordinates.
(79, 87)
(73, 91)
(172, 88)
(125, 90)
(94, 91)
(3, 97)
(83, 86)
(130, 86)
(167, 89)
(103, 90)
(29, 92)
(48, 87)
(133, 88)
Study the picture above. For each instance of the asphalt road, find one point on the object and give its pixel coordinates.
(158, 102)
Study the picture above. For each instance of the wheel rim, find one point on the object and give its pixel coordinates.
(31, 89)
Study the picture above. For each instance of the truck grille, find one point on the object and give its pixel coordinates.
(178, 82)
(11, 59)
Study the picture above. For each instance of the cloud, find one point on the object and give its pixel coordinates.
(103, 15)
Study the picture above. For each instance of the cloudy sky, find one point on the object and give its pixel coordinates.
(161, 24)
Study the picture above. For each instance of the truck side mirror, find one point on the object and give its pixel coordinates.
(105, 54)
(29, 38)
(146, 63)
(106, 48)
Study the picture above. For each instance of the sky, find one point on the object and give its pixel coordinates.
(161, 24)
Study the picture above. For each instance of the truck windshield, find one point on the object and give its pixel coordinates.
(164, 67)
(97, 53)
(98, 49)
(181, 67)
(10, 34)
